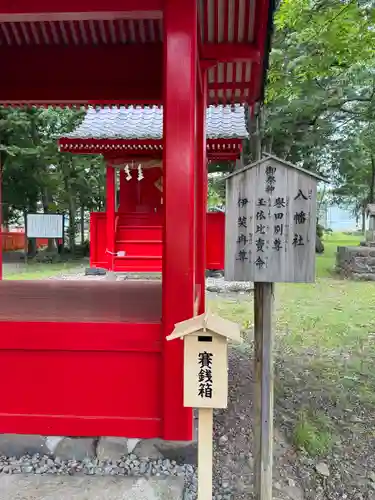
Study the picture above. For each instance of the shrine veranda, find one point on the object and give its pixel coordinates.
(118, 330)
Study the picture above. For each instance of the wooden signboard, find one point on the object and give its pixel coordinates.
(271, 223)
(45, 226)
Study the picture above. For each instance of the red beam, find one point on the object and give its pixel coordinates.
(229, 86)
(81, 74)
(260, 35)
(230, 52)
(64, 10)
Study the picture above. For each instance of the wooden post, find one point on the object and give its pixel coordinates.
(205, 430)
(110, 215)
(263, 397)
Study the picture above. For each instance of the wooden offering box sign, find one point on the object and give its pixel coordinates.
(206, 359)
(271, 223)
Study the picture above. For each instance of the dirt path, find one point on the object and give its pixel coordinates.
(233, 442)
(347, 472)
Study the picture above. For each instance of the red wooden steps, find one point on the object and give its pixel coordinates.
(139, 232)
(142, 244)
(151, 248)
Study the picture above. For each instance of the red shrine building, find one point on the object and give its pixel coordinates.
(128, 236)
(179, 72)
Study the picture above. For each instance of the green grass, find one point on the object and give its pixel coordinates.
(38, 271)
(325, 346)
(313, 434)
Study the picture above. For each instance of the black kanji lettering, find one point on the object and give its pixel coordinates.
(242, 239)
(242, 256)
(261, 202)
(208, 391)
(260, 263)
(208, 377)
(277, 244)
(270, 170)
(242, 202)
(260, 215)
(300, 217)
(261, 229)
(205, 359)
(259, 243)
(242, 221)
(279, 203)
(278, 229)
(297, 240)
(300, 195)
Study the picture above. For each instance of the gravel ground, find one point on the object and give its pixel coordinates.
(129, 466)
(233, 442)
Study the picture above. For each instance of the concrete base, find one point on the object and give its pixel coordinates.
(90, 488)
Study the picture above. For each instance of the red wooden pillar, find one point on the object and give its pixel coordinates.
(180, 56)
(110, 215)
(201, 211)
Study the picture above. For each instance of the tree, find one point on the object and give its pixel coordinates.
(320, 101)
(37, 176)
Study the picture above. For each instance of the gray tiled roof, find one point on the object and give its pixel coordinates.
(136, 122)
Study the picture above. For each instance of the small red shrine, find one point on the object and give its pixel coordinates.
(128, 236)
(184, 55)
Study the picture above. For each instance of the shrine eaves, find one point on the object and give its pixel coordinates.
(139, 130)
(69, 49)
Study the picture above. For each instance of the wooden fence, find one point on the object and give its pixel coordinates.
(16, 241)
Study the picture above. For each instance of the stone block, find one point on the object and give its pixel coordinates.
(95, 271)
(52, 442)
(75, 448)
(148, 448)
(132, 443)
(356, 262)
(18, 445)
(363, 276)
(183, 452)
(112, 448)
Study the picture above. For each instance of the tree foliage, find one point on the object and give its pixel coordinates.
(320, 101)
(36, 175)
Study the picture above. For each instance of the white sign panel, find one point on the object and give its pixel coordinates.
(205, 371)
(45, 225)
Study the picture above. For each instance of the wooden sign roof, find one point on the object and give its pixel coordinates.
(207, 321)
(267, 157)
